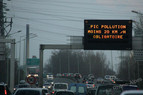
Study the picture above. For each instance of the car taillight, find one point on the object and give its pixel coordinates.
(93, 85)
(5, 92)
(137, 88)
(52, 92)
(87, 82)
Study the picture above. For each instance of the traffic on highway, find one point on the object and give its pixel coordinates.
(74, 84)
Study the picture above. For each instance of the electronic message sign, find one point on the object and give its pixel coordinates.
(107, 34)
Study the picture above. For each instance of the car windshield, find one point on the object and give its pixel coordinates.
(47, 84)
(109, 90)
(64, 93)
(23, 86)
(27, 92)
(60, 86)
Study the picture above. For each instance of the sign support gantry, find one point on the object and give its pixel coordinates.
(50, 46)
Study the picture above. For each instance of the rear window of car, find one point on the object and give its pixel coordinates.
(60, 86)
(64, 93)
(24, 86)
(73, 88)
(1, 90)
(81, 89)
(27, 92)
(107, 90)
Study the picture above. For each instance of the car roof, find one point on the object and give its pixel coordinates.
(60, 83)
(65, 91)
(132, 91)
(32, 89)
(81, 84)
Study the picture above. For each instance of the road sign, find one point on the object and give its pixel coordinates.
(107, 34)
(31, 80)
(33, 62)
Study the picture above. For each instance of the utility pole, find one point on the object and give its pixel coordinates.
(27, 46)
(112, 61)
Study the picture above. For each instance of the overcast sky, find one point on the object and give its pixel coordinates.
(54, 20)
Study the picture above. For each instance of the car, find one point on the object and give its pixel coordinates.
(90, 84)
(109, 89)
(129, 87)
(78, 88)
(22, 82)
(50, 81)
(47, 85)
(4, 90)
(58, 75)
(31, 91)
(71, 75)
(91, 77)
(77, 76)
(50, 77)
(21, 86)
(91, 91)
(65, 75)
(99, 80)
(59, 86)
(66, 92)
(132, 92)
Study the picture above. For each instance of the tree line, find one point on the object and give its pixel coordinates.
(78, 61)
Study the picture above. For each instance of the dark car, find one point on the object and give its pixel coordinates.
(77, 76)
(91, 91)
(78, 88)
(31, 91)
(4, 90)
(108, 90)
(21, 86)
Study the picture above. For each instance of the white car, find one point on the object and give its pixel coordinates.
(132, 92)
(31, 91)
(59, 87)
(50, 77)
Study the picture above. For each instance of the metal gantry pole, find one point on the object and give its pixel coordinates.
(27, 46)
(41, 67)
(12, 66)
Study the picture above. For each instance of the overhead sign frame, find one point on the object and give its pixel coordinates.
(107, 35)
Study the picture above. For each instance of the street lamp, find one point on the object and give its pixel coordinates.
(24, 59)
(137, 12)
(15, 33)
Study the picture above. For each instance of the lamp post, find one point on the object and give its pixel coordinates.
(15, 33)
(24, 57)
(133, 11)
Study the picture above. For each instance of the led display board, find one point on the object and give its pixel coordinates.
(107, 34)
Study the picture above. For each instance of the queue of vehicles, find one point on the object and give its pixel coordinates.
(90, 86)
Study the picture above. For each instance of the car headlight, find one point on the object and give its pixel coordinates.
(49, 86)
(43, 86)
(29, 75)
(36, 75)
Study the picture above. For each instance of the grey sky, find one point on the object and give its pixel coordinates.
(53, 20)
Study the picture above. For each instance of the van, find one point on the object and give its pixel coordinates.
(78, 88)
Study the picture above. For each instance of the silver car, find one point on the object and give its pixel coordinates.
(31, 91)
